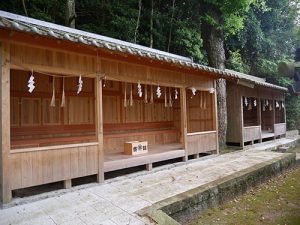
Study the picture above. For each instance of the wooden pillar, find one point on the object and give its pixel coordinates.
(259, 115)
(183, 121)
(67, 184)
(99, 128)
(6, 194)
(241, 122)
(273, 114)
(149, 166)
(215, 117)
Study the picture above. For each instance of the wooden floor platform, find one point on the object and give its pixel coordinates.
(266, 134)
(156, 153)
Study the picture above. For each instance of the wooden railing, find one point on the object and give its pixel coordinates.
(251, 133)
(279, 129)
(199, 142)
(35, 166)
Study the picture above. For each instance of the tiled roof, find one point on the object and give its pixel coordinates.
(38, 27)
(255, 80)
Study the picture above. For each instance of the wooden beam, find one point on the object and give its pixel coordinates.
(183, 121)
(6, 194)
(215, 115)
(99, 128)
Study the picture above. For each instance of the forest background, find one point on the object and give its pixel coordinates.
(249, 36)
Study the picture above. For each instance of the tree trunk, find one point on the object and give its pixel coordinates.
(70, 13)
(213, 41)
(170, 31)
(102, 12)
(24, 7)
(151, 25)
(138, 21)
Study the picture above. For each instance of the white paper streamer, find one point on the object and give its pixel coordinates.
(31, 83)
(176, 94)
(80, 84)
(158, 92)
(63, 97)
(246, 101)
(139, 89)
(125, 95)
(52, 104)
(193, 91)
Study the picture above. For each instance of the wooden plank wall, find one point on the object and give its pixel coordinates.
(142, 121)
(32, 111)
(123, 71)
(200, 115)
(280, 129)
(199, 143)
(234, 116)
(46, 166)
(251, 133)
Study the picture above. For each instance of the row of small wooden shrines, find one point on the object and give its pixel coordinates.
(251, 103)
(170, 94)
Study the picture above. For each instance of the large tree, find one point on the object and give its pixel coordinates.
(219, 18)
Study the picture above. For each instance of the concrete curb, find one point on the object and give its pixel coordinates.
(187, 204)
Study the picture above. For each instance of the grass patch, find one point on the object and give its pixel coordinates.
(275, 202)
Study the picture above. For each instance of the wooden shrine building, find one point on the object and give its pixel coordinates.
(255, 110)
(70, 100)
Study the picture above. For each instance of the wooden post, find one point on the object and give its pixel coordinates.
(5, 194)
(149, 166)
(183, 121)
(273, 106)
(215, 116)
(99, 128)
(259, 115)
(241, 122)
(67, 184)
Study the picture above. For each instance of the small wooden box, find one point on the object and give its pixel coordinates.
(135, 147)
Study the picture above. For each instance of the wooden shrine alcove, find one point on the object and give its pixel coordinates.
(251, 119)
(138, 119)
(267, 118)
(34, 123)
(201, 122)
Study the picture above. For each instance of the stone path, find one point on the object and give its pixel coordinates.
(116, 201)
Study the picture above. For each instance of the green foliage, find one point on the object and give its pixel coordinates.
(258, 33)
(293, 111)
(190, 42)
(235, 62)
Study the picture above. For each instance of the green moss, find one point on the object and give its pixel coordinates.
(275, 202)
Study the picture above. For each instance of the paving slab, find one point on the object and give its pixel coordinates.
(117, 201)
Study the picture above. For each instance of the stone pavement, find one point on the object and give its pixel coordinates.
(116, 201)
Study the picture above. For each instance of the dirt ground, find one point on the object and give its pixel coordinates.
(275, 202)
